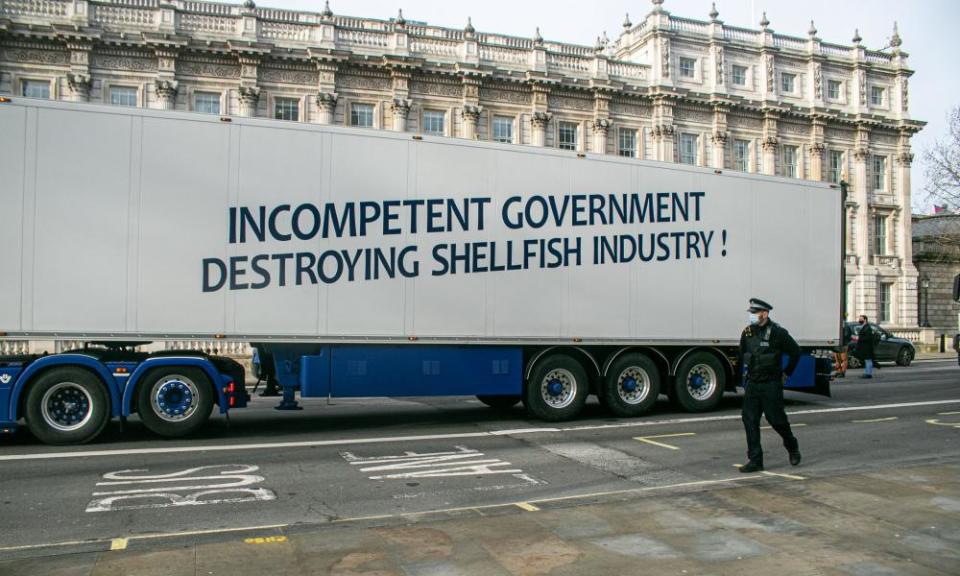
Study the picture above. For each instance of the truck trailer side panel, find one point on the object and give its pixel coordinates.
(140, 224)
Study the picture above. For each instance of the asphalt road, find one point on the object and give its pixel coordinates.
(380, 458)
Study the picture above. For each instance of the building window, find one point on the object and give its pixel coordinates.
(687, 66)
(123, 96)
(883, 302)
(788, 82)
(567, 136)
(206, 102)
(880, 236)
(741, 155)
(739, 75)
(286, 109)
(833, 89)
(503, 129)
(688, 149)
(361, 115)
(879, 173)
(876, 96)
(628, 143)
(835, 166)
(433, 121)
(35, 89)
(789, 167)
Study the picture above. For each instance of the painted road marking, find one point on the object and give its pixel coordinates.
(265, 540)
(875, 420)
(797, 425)
(782, 475)
(647, 439)
(461, 461)
(119, 543)
(191, 487)
(947, 413)
(587, 496)
(421, 438)
(937, 422)
(527, 506)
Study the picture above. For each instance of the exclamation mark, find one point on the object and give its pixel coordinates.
(724, 238)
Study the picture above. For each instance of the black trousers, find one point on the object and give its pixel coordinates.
(765, 398)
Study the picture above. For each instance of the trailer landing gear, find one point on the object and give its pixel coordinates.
(289, 401)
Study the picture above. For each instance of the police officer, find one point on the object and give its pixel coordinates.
(762, 347)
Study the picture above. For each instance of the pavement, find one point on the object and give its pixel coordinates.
(447, 486)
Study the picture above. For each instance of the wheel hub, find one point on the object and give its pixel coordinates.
(174, 398)
(555, 387)
(629, 385)
(66, 406)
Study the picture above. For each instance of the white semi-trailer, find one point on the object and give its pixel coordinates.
(369, 263)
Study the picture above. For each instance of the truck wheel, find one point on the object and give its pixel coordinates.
(557, 389)
(631, 386)
(699, 383)
(174, 401)
(67, 406)
(499, 402)
(905, 356)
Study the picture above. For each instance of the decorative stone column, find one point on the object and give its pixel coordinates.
(166, 91)
(769, 144)
(79, 85)
(538, 128)
(248, 96)
(601, 127)
(400, 108)
(860, 185)
(471, 117)
(816, 161)
(719, 141)
(326, 105)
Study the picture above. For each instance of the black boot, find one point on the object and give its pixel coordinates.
(795, 458)
(750, 467)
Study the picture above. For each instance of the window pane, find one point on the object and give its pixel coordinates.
(786, 82)
(361, 115)
(833, 89)
(688, 149)
(879, 172)
(286, 109)
(790, 161)
(568, 136)
(206, 102)
(876, 96)
(628, 143)
(836, 166)
(123, 96)
(36, 89)
(884, 304)
(741, 155)
(687, 66)
(880, 245)
(433, 122)
(503, 129)
(739, 75)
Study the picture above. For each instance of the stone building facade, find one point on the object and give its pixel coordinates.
(665, 88)
(936, 255)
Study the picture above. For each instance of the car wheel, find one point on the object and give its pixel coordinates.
(905, 356)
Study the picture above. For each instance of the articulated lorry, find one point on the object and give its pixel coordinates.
(365, 263)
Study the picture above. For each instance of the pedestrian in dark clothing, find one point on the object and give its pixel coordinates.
(763, 345)
(865, 347)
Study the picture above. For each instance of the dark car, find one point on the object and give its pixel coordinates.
(888, 348)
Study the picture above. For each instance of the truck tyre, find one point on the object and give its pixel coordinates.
(67, 406)
(631, 386)
(699, 382)
(557, 389)
(499, 402)
(174, 401)
(904, 356)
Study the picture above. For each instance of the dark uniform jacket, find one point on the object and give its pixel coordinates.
(762, 349)
(865, 342)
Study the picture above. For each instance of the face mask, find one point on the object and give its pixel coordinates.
(754, 318)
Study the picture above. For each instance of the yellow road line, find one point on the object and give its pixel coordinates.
(526, 506)
(119, 543)
(647, 439)
(873, 420)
